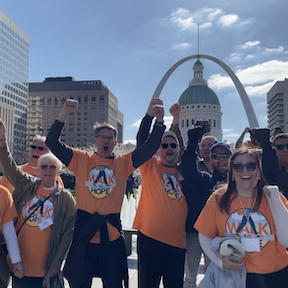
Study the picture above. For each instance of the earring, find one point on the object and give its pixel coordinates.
(233, 179)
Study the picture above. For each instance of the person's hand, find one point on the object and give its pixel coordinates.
(18, 269)
(159, 113)
(227, 264)
(154, 104)
(195, 134)
(70, 106)
(53, 271)
(246, 130)
(261, 135)
(179, 176)
(175, 112)
(2, 130)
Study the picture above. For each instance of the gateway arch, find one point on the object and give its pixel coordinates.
(252, 119)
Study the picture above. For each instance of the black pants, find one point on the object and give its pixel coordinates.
(27, 282)
(4, 269)
(156, 260)
(107, 264)
(277, 279)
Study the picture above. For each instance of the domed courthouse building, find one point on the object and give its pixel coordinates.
(198, 101)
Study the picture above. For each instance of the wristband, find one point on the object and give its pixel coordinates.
(160, 122)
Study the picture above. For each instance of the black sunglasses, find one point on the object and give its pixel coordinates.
(251, 166)
(217, 156)
(281, 146)
(45, 167)
(172, 145)
(40, 148)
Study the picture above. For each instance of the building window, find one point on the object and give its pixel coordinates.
(56, 100)
(187, 123)
(85, 99)
(182, 123)
(192, 121)
(49, 100)
(102, 99)
(63, 100)
(41, 100)
(214, 122)
(93, 99)
(79, 99)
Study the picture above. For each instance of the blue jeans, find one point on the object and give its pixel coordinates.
(192, 259)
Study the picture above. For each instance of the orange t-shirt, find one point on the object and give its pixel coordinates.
(28, 169)
(100, 184)
(7, 207)
(162, 209)
(34, 242)
(212, 222)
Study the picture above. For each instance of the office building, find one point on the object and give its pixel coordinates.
(277, 104)
(96, 104)
(14, 61)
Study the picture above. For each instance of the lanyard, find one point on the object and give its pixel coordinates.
(247, 217)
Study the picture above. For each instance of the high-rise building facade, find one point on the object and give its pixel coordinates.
(277, 102)
(14, 59)
(96, 104)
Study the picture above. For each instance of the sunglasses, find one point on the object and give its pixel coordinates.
(281, 146)
(103, 137)
(217, 156)
(251, 166)
(40, 148)
(45, 167)
(172, 145)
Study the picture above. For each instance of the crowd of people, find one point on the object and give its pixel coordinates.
(205, 198)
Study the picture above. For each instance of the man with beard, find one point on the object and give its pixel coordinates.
(162, 212)
(199, 186)
(98, 248)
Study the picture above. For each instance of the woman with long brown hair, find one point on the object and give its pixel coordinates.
(256, 215)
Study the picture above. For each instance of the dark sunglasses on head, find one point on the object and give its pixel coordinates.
(40, 148)
(281, 146)
(238, 167)
(45, 167)
(217, 156)
(172, 145)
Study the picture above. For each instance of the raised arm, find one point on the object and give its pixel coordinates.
(145, 151)
(175, 112)
(145, 125)
(239, 142)
(11, 171)
(62, 151)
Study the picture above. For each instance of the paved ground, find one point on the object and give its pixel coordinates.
(132, 266)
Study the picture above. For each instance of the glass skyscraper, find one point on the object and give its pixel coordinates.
(14, 61)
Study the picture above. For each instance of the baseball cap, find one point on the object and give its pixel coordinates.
(221, 144)
(170, 134)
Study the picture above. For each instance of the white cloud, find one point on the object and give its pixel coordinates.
(214, 14)
(260, 90)
(136, 123)
(235, 56)
(167, 122)
(250, 44)
(227, 129)
(280, 49)
(179, 12)
(260, 74)
(228, 19)
(230, 135)
(250, 56)
(181, 46)
(206, 25)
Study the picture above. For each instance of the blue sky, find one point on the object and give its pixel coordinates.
(130, 45)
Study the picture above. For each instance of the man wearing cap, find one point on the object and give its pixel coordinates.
(161, 214)
(199, 186)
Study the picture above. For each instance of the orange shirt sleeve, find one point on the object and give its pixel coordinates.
(206, 223)
(7, 207)
(4, 182)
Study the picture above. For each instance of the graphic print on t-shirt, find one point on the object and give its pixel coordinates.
(257, 224)
(101, 181)
(45, 210)
(172, 186)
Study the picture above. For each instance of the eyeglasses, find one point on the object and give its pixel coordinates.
(217, 156)
(103, 137)
(40, 148)
(251, 166)
(45, 167)
(172, 145)
(281, 146)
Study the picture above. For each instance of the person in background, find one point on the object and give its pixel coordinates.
(200, 185)
(98, 247)
(47, 214)
(37, 149)
(256, 215)
(7, 214)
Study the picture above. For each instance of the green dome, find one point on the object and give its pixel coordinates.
(196, 94)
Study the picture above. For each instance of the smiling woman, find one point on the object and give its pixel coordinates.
(248, 211)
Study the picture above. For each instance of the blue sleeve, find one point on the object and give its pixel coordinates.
(143, 131)
(270, 164)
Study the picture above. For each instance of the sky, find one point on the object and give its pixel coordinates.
(130, 45)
